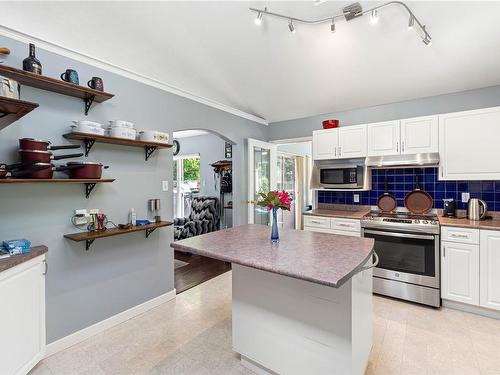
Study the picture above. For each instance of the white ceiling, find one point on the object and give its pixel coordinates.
(188, 133)
(214, 50)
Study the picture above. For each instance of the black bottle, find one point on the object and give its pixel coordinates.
(31, 63)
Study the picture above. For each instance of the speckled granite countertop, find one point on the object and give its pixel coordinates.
(344, 214)
(14, 260)
(321, 258)
(491, 224)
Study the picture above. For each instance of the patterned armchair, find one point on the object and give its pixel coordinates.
(204, 218)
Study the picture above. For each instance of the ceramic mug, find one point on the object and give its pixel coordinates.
(70, 76)
(96, 84)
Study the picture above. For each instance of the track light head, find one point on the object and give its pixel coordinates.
(427, 41)
(374, 16)
(411, 22)
(291, 27)
(332, 26)
(258, 19)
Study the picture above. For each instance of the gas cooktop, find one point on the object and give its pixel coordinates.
(401, 221)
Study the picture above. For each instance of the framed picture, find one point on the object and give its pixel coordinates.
(228, 150)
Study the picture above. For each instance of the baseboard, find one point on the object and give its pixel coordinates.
(478, 310)
(105, 324)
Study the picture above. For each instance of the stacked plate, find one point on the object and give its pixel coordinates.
(121, 129)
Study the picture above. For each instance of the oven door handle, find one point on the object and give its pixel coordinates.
(374, 264)
(400, 235)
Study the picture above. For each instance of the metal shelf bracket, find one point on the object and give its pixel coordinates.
(88, 145)
(149, 150)
(88, 102)
(88, 243)
(149, 231)
(89, 186)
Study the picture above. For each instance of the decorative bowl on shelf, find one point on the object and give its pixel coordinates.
(330, 124)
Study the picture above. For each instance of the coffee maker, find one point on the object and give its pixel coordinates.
(449, 207)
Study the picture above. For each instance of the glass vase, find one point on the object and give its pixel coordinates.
(275, 237)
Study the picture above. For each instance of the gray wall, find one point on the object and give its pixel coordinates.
(462, 101)
(119, 272)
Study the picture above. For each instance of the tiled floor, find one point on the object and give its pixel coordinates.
(192, 335)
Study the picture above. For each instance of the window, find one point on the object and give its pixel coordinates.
(186, 181)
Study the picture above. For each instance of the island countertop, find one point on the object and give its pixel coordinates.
(321, 258)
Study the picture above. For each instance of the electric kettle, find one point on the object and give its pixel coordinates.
(476, 209)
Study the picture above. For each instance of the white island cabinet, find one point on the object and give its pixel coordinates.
(22, 323)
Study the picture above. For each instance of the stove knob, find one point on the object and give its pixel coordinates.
(434, 222)
(417, 221)
(425, 222)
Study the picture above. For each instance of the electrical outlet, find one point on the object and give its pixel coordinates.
(465, 197)
(82, 211)
(164, 185)
(356, 198)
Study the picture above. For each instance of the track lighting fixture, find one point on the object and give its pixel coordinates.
(411, 23)
(349, 13)
(258, 19)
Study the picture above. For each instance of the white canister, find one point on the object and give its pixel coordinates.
(153, 136)
(87, 129)
(121, 124)
(9, 88)
(119, 132)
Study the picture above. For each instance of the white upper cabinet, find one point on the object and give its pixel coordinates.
(325, 144)
(352, 142)
(490, 269)
(419, 134)
(340, 143)
(468, 145)
(384, 138)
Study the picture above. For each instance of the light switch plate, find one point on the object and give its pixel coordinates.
(465, 197)
(164, 185)
(356, 198)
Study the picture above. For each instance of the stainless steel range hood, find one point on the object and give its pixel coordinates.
(424, 160)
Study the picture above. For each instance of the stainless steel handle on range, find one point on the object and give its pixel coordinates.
(401, 235)
(374, 264)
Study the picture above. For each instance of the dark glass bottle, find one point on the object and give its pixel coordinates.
(31, 63)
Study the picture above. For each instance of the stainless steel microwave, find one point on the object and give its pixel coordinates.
(333, 175)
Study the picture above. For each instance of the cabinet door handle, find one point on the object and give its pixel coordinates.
(316, 222)
(444, 251)
(46, 267)
(459, 235)
(403, 146)
(397, 146)
(335, 151)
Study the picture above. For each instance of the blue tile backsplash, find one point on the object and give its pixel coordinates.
(402, 181)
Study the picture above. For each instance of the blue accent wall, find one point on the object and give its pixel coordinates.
(402, 181)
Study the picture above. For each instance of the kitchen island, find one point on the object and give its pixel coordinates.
(303, 306)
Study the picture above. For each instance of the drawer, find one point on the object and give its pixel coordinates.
(350, 225)
(316, 222)
(461, 235)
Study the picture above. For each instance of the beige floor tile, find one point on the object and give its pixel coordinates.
(192, 335)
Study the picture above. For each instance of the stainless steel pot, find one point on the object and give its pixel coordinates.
(476, 209)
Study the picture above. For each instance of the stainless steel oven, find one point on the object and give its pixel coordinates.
(409, 258)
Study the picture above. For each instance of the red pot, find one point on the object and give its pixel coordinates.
(4, 173)
(86, 170)
(330, 124)
(47, 170)
(44, 156)
(41, 145)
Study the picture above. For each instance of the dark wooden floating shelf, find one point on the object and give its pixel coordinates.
(12, 110)
(55, 85)
(90, 139)
(89, 237)
(90, 183)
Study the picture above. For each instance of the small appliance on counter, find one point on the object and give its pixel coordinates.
(449, 207)
(16, 247)
(476, 209)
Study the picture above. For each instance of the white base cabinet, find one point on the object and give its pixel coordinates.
(490, 269)
(22, 322)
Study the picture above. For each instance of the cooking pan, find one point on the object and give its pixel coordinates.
(87, 169)
(22, 173)
(44, 156)
(41, 145)
(47, 170)
(21, 164)
(386, 202)
(418, 201)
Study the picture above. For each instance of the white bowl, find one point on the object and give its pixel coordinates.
(153, 136)
(121, 124)
(121, 132)
(87, 123)
(87, 129)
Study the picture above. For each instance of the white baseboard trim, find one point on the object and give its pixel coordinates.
(105, 324)
(478, 310)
